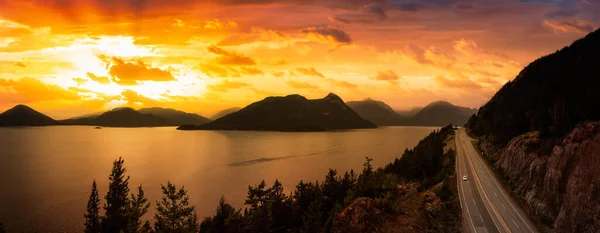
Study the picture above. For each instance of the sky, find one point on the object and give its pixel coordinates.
(73, 57)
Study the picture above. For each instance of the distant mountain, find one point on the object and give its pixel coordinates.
(175, 116)
(409, 113)
(438, 113)
(22, 115)
(121, 117)
(377, 112)
(225, 113)
(290, 113)
(441, 113)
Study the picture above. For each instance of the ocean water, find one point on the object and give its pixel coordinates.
(46, 172)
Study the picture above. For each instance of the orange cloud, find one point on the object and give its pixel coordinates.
(577, 26)
(341, 83)
(20, 64)
(28, 90)
(219, 24)
(457, 83)
(129, 73)
(386, 75)
(278, 74)
(432, 56)
(215, 71)
(80, 81)
(226, 86)
(251, 71)
(328, 34)
(310, 72)
(230, 58)
(301, 85)
(133, 98)
(101, 79)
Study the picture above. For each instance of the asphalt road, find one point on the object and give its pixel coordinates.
(486, 206)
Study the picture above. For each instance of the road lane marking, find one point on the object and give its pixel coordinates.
(462, 189)
(485, 195)
(516, 224)
(518, 213)
(503, 206)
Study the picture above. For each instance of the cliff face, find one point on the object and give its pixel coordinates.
(562, 188)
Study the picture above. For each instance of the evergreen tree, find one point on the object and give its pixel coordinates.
(92, 217)
(2, 230)
(174, 212)
(116, 218)
(138, 206)
(313, 219)
(226, 220)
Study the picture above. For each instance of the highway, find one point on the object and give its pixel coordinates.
(486, 206)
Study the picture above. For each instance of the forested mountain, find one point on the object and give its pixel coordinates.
(22, 115)
(438, 113)
(541, 131)
(175, 116)
(291, 113)
(121, 117)
(225, 112)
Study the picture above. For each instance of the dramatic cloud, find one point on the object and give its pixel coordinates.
(457, 83)
(431, 56)
(133, 98)
(301, 85)
(386, 75)
(278, 74)
(28, 90)
(470, 48)
(226, 86)
(341, 83)
(215, 71)
(230, 58)
(577, 26)
(257, 35)
(310, 72)
(328, 34)
(101, 79)
(80, 81)
(131, 73)
(251, 71)
(20, 64)
(371, 13)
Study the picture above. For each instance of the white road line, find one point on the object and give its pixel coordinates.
(516, 224)
(463, 190)
(518, 213)
(503, 206)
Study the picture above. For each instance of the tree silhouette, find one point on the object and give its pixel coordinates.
(2, 230)
(116, 216)
(138, 206)
(92, 216)
(174, 212)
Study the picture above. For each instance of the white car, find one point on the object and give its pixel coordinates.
(464, 178)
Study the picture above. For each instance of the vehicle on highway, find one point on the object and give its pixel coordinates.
(464, 178)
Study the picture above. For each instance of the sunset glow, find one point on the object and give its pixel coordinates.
(69, 58)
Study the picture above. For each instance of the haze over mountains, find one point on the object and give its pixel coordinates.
(290, 113)
(435, 114)
(542, 133)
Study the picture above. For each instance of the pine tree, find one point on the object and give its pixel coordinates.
(92, 217)
(174, 212)
(312, 220)
(138, 206)
(2, 230)
(116, 218)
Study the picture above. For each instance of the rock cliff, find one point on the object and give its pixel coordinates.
(563, 187)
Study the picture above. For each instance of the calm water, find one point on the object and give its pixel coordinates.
(46, 172)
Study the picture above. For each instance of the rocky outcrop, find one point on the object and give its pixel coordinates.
(360, 216)
(563, 187)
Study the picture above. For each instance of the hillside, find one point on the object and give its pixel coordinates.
(290, 113)
(438, 113)
(175, 116)
(376, 111)
(441, 113)
(22, 115)
(541, 131)
(225, 112)
(121, 117)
